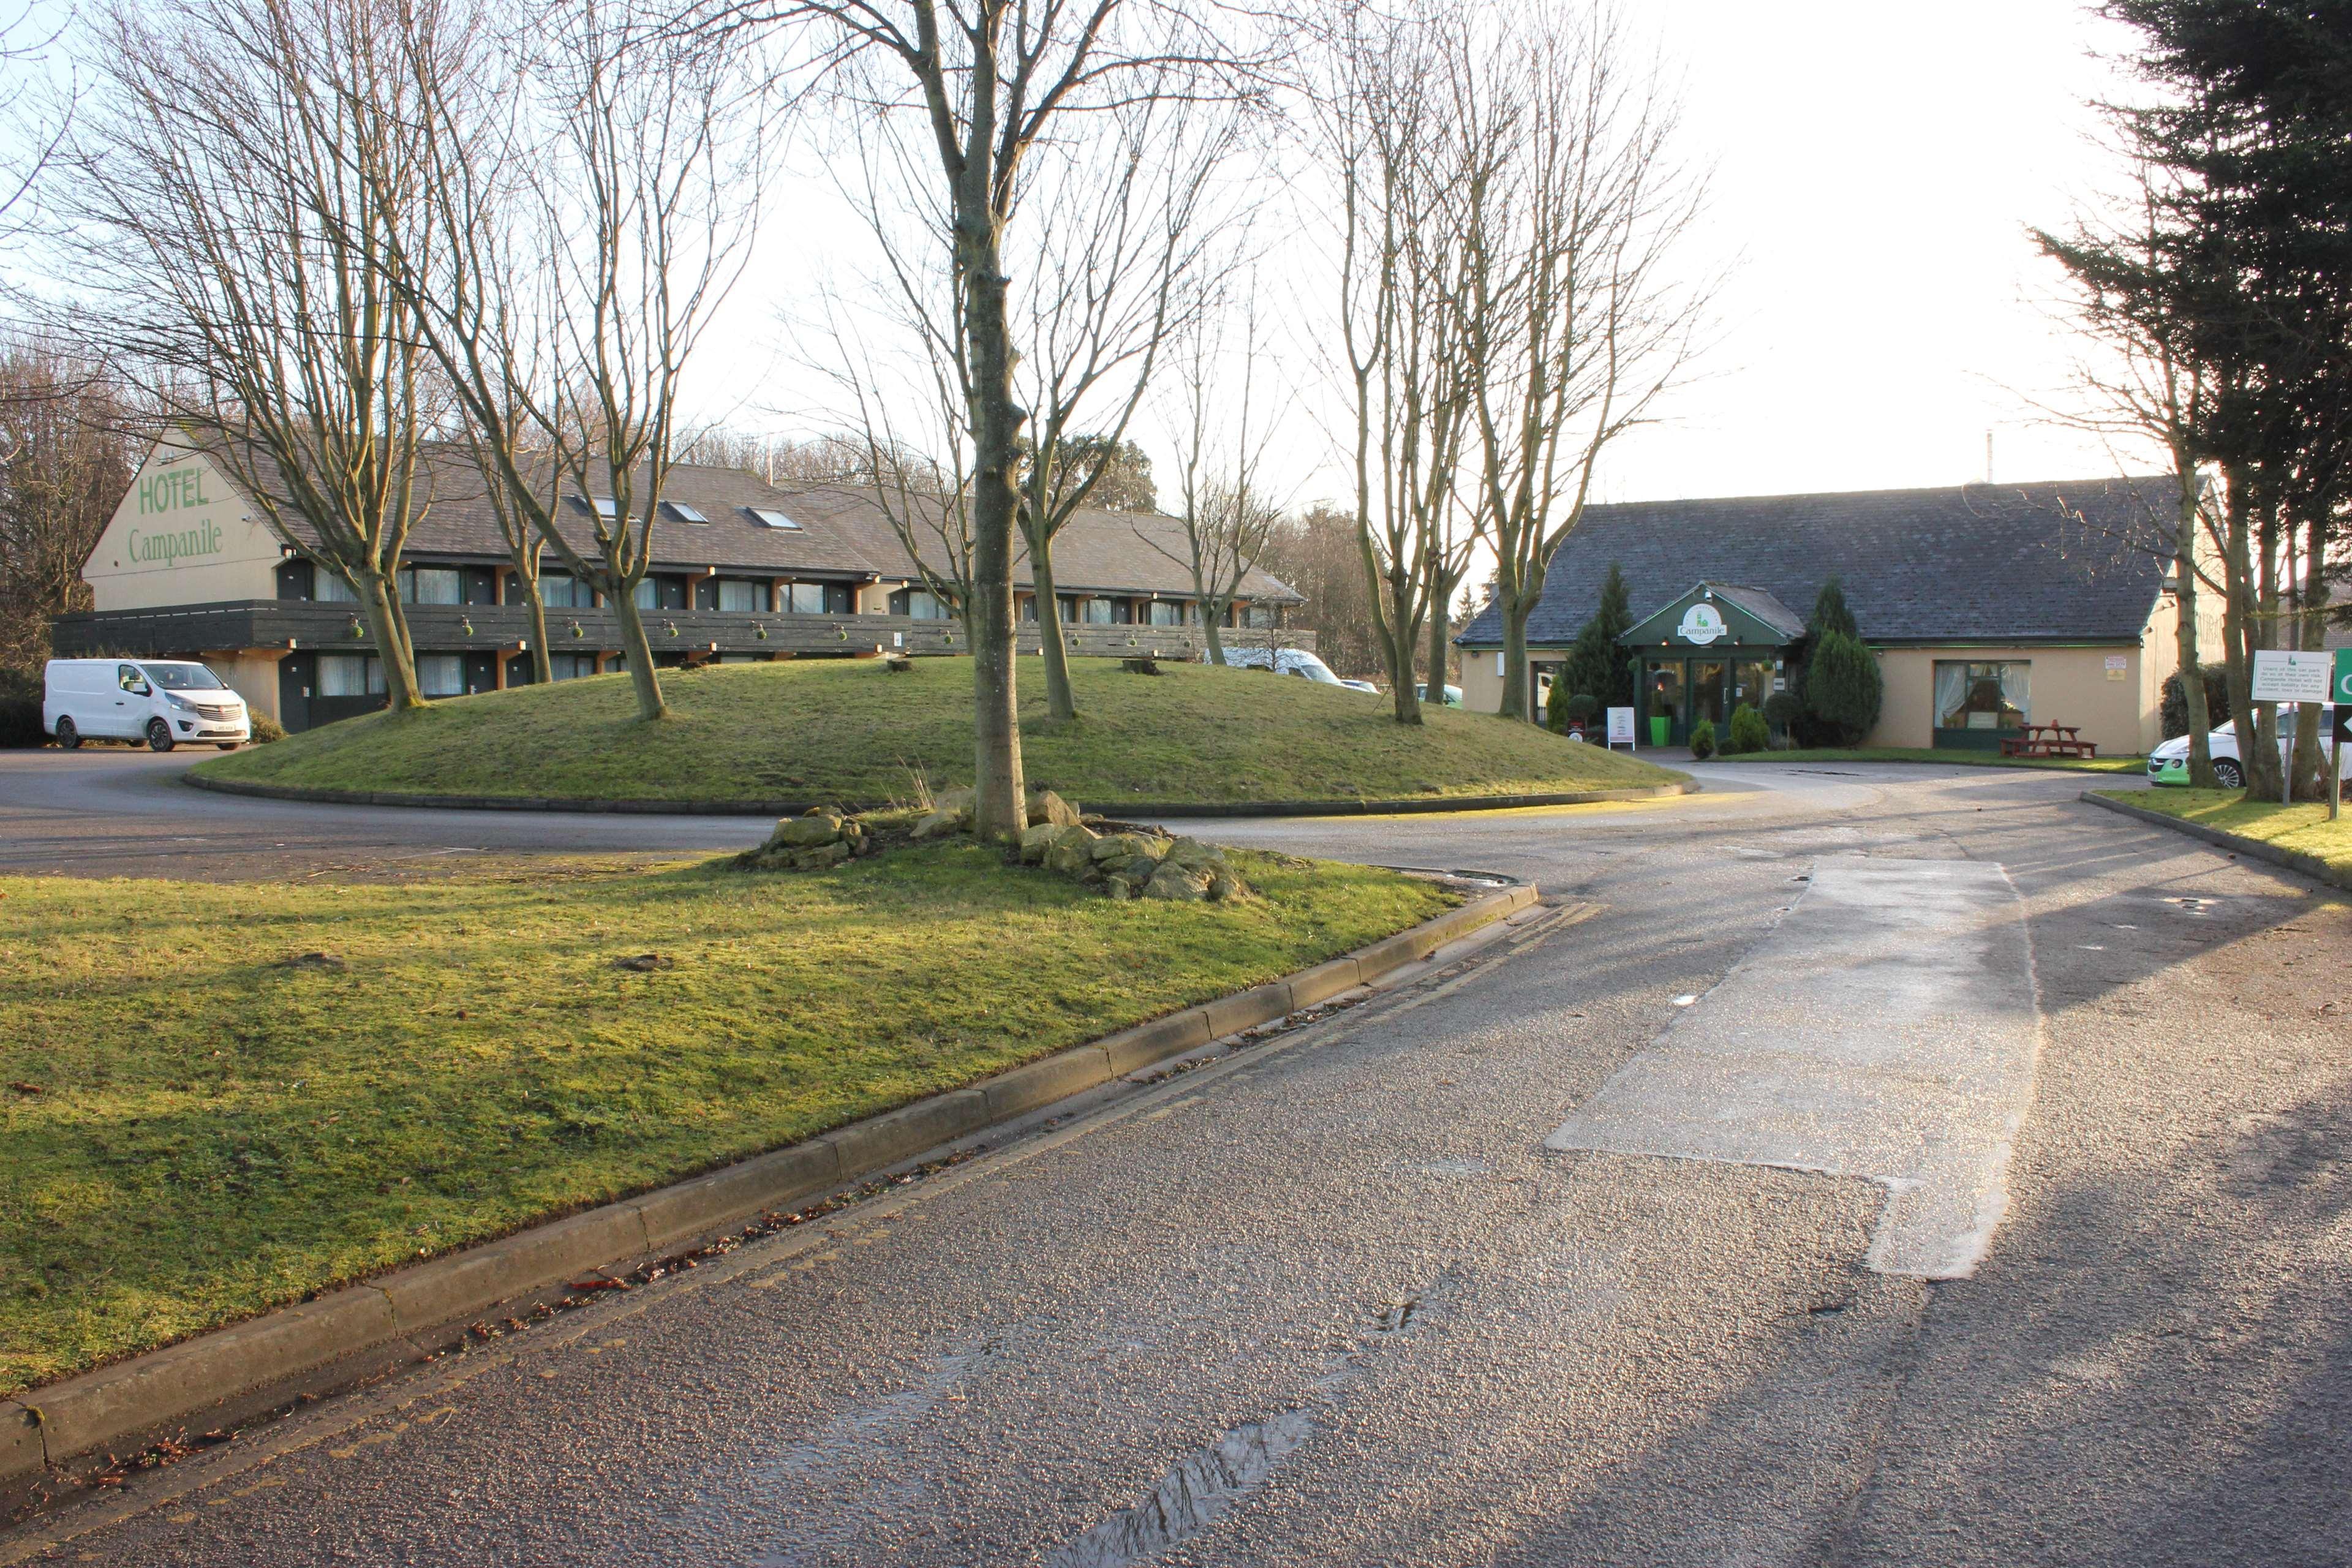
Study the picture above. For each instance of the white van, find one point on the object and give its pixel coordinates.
(160, 701)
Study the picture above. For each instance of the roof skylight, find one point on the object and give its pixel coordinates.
(770, 517)
(684, 512)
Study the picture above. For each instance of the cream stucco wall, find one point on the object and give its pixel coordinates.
(252, 674)
(1482, 677)
(2115, 710)
(182, 535)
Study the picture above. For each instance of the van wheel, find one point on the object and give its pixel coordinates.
(68, 736)
(2228, 773)
(228, 745)
(159, 735)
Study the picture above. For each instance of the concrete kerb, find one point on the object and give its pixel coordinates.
(2311, 866)
(231, 1373)
(1124, 809)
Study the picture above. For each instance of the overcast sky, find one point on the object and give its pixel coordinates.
(1875, 167)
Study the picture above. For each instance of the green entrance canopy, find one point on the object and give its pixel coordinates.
(1706, 653)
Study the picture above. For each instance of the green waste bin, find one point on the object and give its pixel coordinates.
(1659, 725)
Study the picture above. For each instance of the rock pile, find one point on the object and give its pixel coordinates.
(951, 813)
(1134, 865)
(805, 842)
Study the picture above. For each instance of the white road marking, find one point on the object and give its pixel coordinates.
(1886, 1028)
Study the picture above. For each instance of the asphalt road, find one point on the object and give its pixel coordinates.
(1334, 1300)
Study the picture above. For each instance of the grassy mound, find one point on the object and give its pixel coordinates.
(851, 732)
(195, 1140)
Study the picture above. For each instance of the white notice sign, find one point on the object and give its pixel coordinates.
(1621, 726)
(2281, 676)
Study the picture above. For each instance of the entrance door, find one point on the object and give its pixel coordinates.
(1707, 696)
(1662, 699)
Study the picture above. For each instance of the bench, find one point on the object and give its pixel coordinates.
(2049, 740)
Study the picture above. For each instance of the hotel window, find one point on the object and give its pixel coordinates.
(742, 596)
(561, 591)
(808, 599)
(328, 587)
(916, 604)
(572, 666)
(432, 585)
(1261, 616)
(1167, 613)
(350, 675)
(1982, 696)
(441, 674)
(1097, 612)
(661, 593)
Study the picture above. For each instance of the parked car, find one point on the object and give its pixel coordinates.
(161, 701)
(1360, 685)
(2168, 763)
(1286, 661)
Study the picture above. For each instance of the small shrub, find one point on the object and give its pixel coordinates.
(265, 728)
(20, 721)
(1583, 708)
(2175, 706)
(1843, 689)
(1702, 739)
(1782, 709)
(1748, 732)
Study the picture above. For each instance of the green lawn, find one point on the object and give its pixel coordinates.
(2303, 828)
(848, 731)
(2126, 765)
(196, 1130)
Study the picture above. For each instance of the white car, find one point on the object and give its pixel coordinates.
(161, 701)
(2168, 763)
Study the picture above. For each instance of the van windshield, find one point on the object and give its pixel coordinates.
(184, 678)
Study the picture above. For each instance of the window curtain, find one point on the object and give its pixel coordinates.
(1951, 695)
(2014, 683)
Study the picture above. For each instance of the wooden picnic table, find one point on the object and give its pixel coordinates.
(2049, 740)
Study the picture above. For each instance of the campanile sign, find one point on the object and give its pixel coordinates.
(1702, 624)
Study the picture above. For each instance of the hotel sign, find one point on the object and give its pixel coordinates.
(176, 489)
(2284, 676)
(1702, 624)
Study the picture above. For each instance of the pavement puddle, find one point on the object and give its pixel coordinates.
(1885, 1029)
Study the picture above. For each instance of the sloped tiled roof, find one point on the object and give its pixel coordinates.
(843, 532)
(2067, 561)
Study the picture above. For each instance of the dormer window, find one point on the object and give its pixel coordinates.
(769, 518)
(683, 512)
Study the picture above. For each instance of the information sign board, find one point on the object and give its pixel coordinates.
(1621, 726)
(2282, 674)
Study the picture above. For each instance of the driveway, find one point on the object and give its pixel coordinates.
(1904, 1166)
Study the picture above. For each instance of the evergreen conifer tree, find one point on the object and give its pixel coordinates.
(1843, 688)
(1830, 613)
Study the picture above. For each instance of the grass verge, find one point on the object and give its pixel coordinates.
(848, 730)
(2303, 829)
(2123, 764)
(197, 1129)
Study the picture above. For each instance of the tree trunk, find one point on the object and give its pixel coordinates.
(2308, 769)
(1439, 628)
(1515, 656)
(2237, 619)
(389, 629)
(2258, 752)
(1399, 640)
(1210, 615)
(999, 809)
(2186, 530)
(542, 662)
(640, 652)
(1061, 703)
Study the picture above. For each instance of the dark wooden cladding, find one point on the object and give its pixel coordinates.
(264, 624)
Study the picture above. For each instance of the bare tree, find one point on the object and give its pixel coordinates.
(1223, 499)
(648, 204)
(1569, 208)
(231, 224)
(67, 431)
(1399, 275)
(1126, 249)
(1315, 552)
(2149, 386)
(980, 87)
